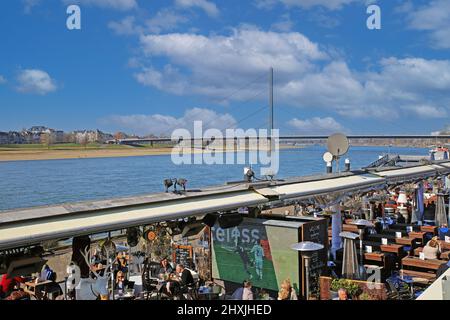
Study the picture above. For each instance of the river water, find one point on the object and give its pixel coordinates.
(35, 183)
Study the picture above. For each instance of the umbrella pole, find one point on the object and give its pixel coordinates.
(361, 251)
(307, 277)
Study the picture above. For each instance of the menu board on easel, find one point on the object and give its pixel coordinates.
(182, 254)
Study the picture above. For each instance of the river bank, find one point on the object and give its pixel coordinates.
(33, 154)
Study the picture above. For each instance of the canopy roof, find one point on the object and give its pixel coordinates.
(34, 225)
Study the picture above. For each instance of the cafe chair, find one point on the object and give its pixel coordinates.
(401, 293)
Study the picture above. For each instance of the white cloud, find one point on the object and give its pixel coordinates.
(285, 24)
(218, 63)
(126, 26)
(434, 18)
(316, 125)
(209, 7)
(159, 124)
(428, 112)
(29, 4)
(35, 81)
(2, 79)
(305, 75)
(306, 4)
(122, 5)
(165, 20)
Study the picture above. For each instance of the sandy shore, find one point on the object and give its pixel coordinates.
(43, 154)
(22, 155)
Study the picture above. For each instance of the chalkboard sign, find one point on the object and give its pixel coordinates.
(316, 231)
(182, 255)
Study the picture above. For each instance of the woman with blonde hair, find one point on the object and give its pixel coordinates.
(432, 249)
(286, 291)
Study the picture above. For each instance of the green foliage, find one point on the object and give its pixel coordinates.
(351, 287)
(365, 296)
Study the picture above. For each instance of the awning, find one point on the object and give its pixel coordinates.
(33, 231)
(31, 226)
(306, 190)
(408, 174)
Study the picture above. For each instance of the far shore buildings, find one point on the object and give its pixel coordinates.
(41, 134)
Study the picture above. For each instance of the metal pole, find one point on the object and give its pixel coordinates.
(306, 277)
(271, 101)
(271, 109)
(361, 251)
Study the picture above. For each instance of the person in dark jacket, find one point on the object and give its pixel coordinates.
(186, 278)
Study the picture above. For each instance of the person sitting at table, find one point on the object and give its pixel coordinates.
(247, 294)
(286, 291)
(122, 263)
(186, 278)
(122, 284)
(342, 295)
(47, 274)
(432, 249)
(165, 268)
(444, 232)
(237, 294)
(400, 218)
(9, 284)
(179, 282)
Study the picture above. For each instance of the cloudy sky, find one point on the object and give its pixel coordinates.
(151, 66)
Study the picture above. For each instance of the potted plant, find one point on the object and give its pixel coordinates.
(351, 287)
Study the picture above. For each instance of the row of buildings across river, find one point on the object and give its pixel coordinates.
(41, 134)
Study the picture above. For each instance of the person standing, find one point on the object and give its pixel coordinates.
(245, 261)
(258, 252)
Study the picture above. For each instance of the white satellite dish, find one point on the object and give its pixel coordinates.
(327, 157)
(338, 145)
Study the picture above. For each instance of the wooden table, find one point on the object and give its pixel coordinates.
(392, 248)
(405, 241)
(429, 229)
(420, 235)
(36, 289)
(443, 256)
(350, 228)
(374, 256)
(423, 264)
(444, 245)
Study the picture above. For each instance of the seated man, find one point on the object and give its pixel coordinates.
(444, 232)
(186, 278)
(342, 295)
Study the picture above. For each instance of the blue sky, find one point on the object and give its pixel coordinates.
(148, 66)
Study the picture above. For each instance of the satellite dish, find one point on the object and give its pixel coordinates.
(338, 144)
(327, 157)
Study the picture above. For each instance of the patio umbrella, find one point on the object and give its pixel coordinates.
(336, 227)
(420, 202)
(415, 212)
(350, 265)
(441, 214)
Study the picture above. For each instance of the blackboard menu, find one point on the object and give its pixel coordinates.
(316, 231)
(182, 254)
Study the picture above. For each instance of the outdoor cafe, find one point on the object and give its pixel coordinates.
(357, 236)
